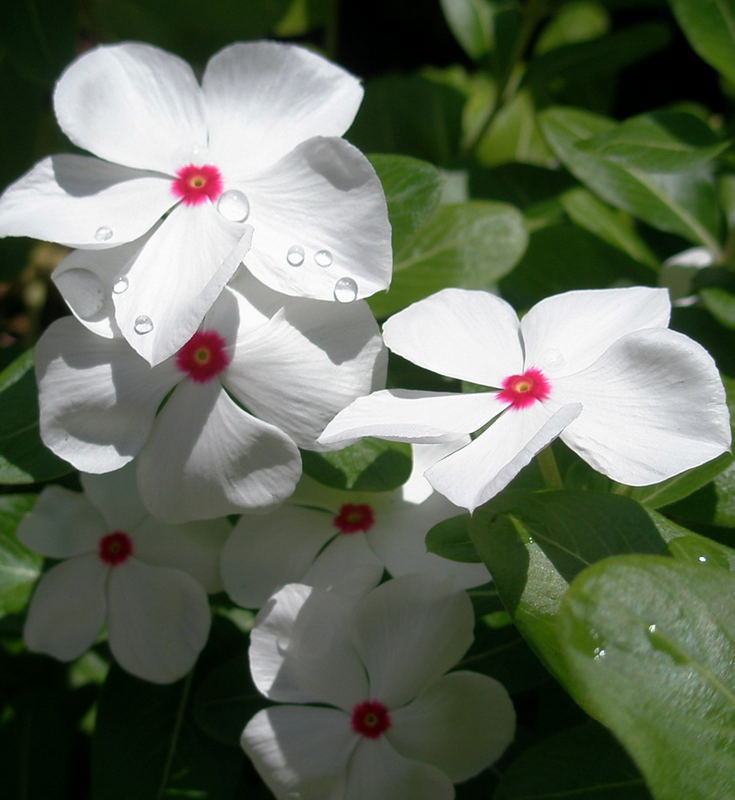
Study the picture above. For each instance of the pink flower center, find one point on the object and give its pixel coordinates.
(521, 391)
(203, 356)
(353, 518)
(115, 548)
(194, 185)
(370, 719)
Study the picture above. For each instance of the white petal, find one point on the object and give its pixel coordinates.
(300, 650)
(408, 632)
(378, 770)
(470, 335)
(266, 551)
(461, 724)
(300, 751)
(176, 276)
(264, 98)
(115, 495)
(193, 548)
(325, 198)
(474, 474)
(132, 104)
(206, 457)
(62, 524)
(567, 332)
(653, 406)
(347, 565)
(97, 397)
(309, 362)
(158, 620)
(417, 489)
(408, 415)
(83, 202)
(68, 608)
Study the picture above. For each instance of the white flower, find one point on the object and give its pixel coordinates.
(261, 377)
(255, 145)
(397, 728)
(347, 545)
(146, 581)
(637, 401)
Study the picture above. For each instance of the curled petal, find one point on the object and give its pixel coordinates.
(115, 496)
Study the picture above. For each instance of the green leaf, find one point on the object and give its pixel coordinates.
(710, 27)
(661, 141)
(582, 762)
(574, 22)
(649, 645)
(712, 504)
(412, 190)
(451, 539)
(468, 245)
(685, 204)
(369, 465)
(720, 302)
(19, 567)
(470, 22)
(23, 457)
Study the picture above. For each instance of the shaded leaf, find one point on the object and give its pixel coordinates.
(19, 567)
(710, 28)
(451, 539)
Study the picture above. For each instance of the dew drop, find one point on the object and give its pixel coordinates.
(323, 258)
(233, 205)
(103, 234)
(120, 285)
(702, 559)
(295, 255)
(345, 290)
(599, 653)
(552, 358)
(652, 629)
(143, 324)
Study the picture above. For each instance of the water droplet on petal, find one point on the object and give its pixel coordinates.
(143, 324)
(233, 205)
(103, 234)
(552, 358)
(120, 285)
(323, 258)
(83, 291)
(345, 290)
(295, 255)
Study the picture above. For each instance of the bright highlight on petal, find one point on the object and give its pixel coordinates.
(115, 548)
(370, 719)
(521, 391)
(203, 356)
(353, 518)
(195, 184)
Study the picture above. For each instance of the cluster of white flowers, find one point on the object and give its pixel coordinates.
(226, 237)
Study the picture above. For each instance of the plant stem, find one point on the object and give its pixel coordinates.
(549, 470)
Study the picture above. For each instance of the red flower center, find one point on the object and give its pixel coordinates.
(115, 548)
(370, 719)
(353, 518)
(194, 185)
(203, 356)
(521, 391)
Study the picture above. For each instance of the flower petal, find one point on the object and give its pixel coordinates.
(158, 620)
(266, 551)
(417, 489)
(132, 104)
(470, 335)
(300, 751)
(567, 332)
(347, 565)
(68, 608)
(115, 496)
(175, 278)
(206, 457)
(264, 98)
(97, 397)
(407, 415)
(653, 406)
(61, 524)
(83, 202)
(378, 770)
(320, 218)
(300, 650)
(408, 632)
(309, 362)
(461, 724)
(474, 474)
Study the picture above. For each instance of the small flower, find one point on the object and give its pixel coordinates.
(215, 428)
(186, 174)
(391, 723)
(343, 540)
(145, 580)
(599, 368)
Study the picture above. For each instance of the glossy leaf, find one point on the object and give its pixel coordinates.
(710, 28)
(451, 539)
(19, 567)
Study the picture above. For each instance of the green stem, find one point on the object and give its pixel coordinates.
(549, 470)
